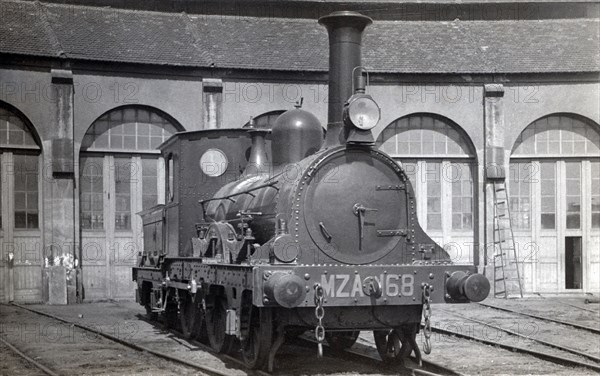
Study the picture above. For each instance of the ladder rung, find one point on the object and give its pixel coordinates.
(500, 202)
(500, 292)
(500, 189)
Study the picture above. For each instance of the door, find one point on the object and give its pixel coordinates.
(120, 175)
(573, 269)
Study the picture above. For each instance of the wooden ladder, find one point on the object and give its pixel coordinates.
(507, 278)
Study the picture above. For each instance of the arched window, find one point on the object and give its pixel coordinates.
(123, 144)
(426, 135)
(550, 144)
(121, 174)
(266, 120)
(554, 186)
(439, 160)
(19, 170)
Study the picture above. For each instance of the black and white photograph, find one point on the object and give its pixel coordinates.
(299, 187)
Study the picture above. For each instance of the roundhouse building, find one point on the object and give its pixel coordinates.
(468, 91)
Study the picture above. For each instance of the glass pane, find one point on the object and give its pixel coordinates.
(456, 205)
(170, 186)
(434, 222)
(26, 190)
(433, 204)
(13, 131)
(124, 169)
(32, 220)
(595, 194)
(467, 221)
(456, 221)
(423, 134)
(149, 183)
(519, 193)
(573, 196)
(20, 201)
(595, 220)
(548, 221)
(573, 221)
(462, 196)
(558, 135)
(128, 129)
(91, 196)
(20, 219)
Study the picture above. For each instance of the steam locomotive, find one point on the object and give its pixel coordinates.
(271, 232)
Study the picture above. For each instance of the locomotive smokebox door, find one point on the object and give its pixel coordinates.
(351, 219)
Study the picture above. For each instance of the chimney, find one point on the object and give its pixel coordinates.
(345, 36)
(257, 163)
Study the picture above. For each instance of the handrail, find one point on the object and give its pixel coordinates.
(246, 192)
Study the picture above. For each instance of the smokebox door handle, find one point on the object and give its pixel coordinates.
(325, 232)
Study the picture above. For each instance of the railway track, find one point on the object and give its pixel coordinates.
(358, 355)
(435, 369)
(207, 348)
(557, 359)
(543, 318)
(430, 368)
(200, 367)
(33, 362)
(531, 338)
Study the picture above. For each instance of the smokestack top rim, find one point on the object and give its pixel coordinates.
(345, 18)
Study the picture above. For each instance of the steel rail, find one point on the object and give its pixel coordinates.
(131, 345)
(207, 348)
(419, 371)
(415, 371)
(517, 334)
(544, 356)
(34, 362)
(578, 307)
(543, 318)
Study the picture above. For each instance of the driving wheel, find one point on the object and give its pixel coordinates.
(392, 345)
(147, 294)
(258, 337)
(191, 316)
(340, 341)
(216, 313)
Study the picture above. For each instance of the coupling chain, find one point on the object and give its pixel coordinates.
(319, 314)
(427, 317)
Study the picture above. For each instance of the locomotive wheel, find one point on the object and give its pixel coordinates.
(170, 315)
(215, 324)
(258, 339)
(392, 345)
(340, 341)
(191, 316)
(152, 316)
(147, 292)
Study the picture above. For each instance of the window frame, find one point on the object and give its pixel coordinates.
(12, 121)
(133, 156)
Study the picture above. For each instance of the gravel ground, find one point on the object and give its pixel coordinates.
(12, 364)
(125, 320)
(71, 351)
(78, 355)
